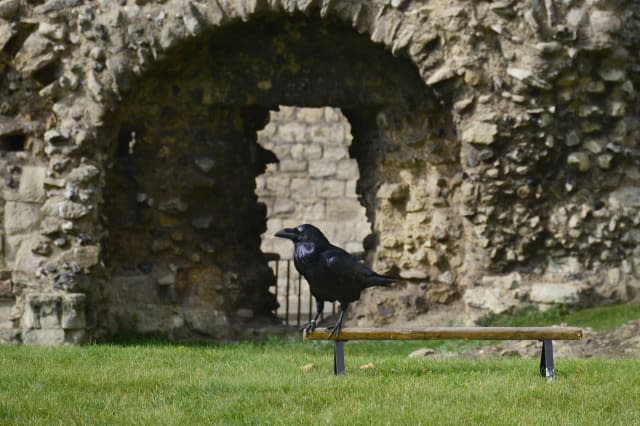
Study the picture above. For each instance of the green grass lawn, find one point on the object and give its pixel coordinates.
(264, 383)
(600, 318)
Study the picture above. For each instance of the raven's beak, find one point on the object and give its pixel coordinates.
(288, 233)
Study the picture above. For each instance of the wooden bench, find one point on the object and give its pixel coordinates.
(544, 334)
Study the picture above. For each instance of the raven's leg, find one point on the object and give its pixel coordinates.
(312, 324)
(338, 326)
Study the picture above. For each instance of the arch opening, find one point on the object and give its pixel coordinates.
(184, 222)
(314, 181)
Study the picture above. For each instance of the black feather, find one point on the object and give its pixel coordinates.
(332, 273)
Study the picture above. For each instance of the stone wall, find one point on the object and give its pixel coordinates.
(314, 180)
(497, 144)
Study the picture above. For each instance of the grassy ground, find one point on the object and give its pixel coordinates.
(264, 383)
(601, 318)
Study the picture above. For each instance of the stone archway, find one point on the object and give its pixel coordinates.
(183, 221)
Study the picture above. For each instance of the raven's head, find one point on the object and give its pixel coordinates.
(303, 233)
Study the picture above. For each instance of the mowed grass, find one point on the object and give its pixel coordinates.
(250, 383)
(600, 318)
(263, 383)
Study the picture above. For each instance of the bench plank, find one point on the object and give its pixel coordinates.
(452, 333)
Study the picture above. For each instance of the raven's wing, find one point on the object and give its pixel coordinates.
(349, 272)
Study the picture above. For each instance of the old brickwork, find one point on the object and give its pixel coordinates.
(314, 180)
(496, 142)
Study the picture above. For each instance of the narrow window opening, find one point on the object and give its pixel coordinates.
(313, 182)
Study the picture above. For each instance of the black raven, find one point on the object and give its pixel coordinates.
(332, 273)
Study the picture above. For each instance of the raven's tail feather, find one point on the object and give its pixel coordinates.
(380, 280)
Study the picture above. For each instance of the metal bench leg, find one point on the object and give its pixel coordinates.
(338, 358)
(546, 360)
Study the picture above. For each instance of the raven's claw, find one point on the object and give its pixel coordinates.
(334, 329)
(311, 326)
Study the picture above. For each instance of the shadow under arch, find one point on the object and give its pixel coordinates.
(184, 224)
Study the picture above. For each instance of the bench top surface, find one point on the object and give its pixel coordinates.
(451, 333)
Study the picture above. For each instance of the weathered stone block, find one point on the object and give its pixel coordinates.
(312, 151)
(9, 8)
(283, 206)
(393, 191)
(579, 161)
(350, 189)
(207, 321)
(335, 153)
(614, 286)
(345, 210)
(83, 173)
(278, 185)
(310, 115)
(311, 212)
(36, 53)
(507, 282)
(323, 135)
(31, 187)
(329, 188)
(292, 132)
(289, 166)
(603, 23)
(65, 209)
(441, 74)
(297, 151)
(25, 259)
(414, 274)
(42, 311)
(495, 300)
(73, 311)
(347, 170)
(48, 337)
(284, 113)
(83, 256)
(555, 293)
(626, 196)
(6, 306)
(21, 217)
(333, 114)
(303, 188)
(322, 168)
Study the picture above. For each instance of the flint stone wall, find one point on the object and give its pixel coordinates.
(497, 144)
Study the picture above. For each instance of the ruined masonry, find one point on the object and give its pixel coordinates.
(496, 144)
(314, 181)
